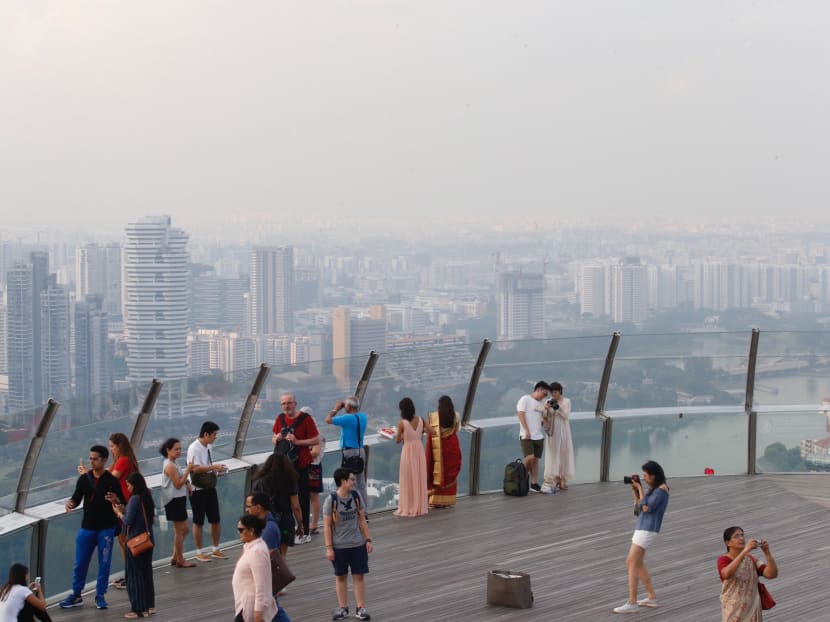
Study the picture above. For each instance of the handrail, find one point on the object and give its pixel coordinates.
(752, 416)
(607, 422)
(144, 415)
(472, 387)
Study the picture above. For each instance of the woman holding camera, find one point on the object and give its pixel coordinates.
(739, 571)
(650, 509)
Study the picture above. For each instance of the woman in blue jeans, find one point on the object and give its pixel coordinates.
(650, 509)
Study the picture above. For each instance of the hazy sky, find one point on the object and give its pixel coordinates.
(544, 110)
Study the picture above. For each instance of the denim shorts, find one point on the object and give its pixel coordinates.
(356, 558)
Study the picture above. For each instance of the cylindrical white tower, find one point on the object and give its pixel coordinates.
(155, 299)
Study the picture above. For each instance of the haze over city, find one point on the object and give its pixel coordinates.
(479, 112)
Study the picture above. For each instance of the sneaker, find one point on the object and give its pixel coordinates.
(72, 601)
(362, 614)
(100, 603)
(302, 540)
(341, 613)
(218, 554)
(647, 602)
(547, 490)
(536, 488)
(627, 607)
(202, 557)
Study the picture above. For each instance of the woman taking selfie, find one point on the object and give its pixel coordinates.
(740, 600)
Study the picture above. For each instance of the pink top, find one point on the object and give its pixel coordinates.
(252, 582)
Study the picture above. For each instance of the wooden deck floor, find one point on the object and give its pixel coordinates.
(573, 545)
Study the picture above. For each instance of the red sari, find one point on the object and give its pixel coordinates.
(443, 463)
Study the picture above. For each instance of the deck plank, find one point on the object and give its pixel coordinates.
(573, 545)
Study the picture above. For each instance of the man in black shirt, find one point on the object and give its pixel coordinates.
(97, 489)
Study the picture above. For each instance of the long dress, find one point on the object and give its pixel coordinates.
(559, 457)
(739, 599)
(443, 454)
(412, 494)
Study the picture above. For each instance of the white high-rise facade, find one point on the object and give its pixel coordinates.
(592, 290)
(98, 272)
(272, 290)
(155, 299)
(521, 311)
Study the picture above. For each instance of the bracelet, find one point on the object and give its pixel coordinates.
(329, 546)
(368, 539)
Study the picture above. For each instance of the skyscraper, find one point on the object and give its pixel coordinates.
(155, 299)
(521, 313)
(54, 341)
(592, 290)
(629, 292)
(20, 338)
(93, 357)
(353, 338)
(98, 272)
(272, 290)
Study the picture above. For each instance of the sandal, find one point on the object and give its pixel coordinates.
(132, 615)
(186, 564)
(314, 531)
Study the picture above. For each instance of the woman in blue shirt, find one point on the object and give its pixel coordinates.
(650, 509)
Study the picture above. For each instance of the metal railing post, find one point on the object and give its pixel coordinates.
(144, 414)
(607, 423)
(751, 415)
(476, 435)
(474, 468)
(248, 410)
(366, 376)
(27, 472)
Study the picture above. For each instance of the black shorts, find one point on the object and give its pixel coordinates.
(356, 558)
(205, 502)
(176, 509)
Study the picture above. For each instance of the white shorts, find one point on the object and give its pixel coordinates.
(643, 538)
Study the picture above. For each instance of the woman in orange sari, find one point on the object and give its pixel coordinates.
(443, 455)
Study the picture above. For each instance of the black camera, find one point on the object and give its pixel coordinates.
(631, 479)
(553, 403)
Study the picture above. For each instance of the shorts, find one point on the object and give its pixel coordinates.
(643, 538)
(205, 502)
(315, 478)
(356, 558)
(532, 448)
(176, 509)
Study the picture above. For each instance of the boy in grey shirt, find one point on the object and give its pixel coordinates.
(348, 543)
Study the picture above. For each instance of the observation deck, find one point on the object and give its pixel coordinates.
(680, 399)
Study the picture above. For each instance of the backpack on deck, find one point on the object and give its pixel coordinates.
(516, 482)
(284, 446)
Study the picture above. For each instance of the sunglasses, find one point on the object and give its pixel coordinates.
(241, 529)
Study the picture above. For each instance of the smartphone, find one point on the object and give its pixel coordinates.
(37, 580)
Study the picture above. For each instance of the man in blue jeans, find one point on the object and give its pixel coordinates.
(97, 489)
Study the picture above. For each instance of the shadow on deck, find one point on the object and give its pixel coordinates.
(573, 545)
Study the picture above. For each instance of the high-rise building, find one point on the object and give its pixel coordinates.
(54, 341)
(592, 290)
(521, 301)
(93, 353)
(98, 272)
(629, 294)
(155, 299)
(20, 338)
(353, 338)
(4, 367)
(272, 290)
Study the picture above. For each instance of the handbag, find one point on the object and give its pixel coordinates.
(281, 574)
(142, 542)
(204, 480)
(767, 601)
(354, 464)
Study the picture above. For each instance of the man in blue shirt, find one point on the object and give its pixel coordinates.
(353, 431)
(257, 505)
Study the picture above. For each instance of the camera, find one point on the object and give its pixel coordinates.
(630, 479)
(553, 403)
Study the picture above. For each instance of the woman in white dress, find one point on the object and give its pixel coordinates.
(559, 457)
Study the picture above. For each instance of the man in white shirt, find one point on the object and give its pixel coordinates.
(205, 501)
(531, 435)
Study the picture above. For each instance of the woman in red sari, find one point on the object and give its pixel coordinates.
(443, 455)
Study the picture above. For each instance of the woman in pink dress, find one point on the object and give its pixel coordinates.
(412, 494)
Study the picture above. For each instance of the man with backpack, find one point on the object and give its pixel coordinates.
(348, 544)
(529, 410)
(294, 433)
(353, 430)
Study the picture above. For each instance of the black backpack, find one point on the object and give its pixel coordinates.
(516, 482)
(286, 447)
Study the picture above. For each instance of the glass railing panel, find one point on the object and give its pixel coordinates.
(15, 547)
(684, 443)
(184, 405)
(63, 449)
(513, 367)
(18, 430)
(793, 441)
(681, 369)
(793, 368)
(500, 445)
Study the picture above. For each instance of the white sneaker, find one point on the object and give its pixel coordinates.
(546, 489)
(302, 540)
(647, 602)
(627, 608)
